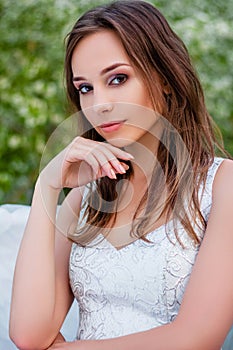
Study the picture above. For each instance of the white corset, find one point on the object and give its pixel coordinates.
(138, 287)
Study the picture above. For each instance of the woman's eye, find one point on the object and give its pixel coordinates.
(118, 79)
(84, 88)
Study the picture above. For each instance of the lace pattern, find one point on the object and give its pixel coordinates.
(138, 287)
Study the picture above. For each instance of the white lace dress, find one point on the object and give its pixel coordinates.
(138, 287)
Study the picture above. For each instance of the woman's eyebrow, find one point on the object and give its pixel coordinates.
(104, 71)
(112, 67)
(78, 78)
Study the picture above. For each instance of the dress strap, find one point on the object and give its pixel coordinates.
(206, 195)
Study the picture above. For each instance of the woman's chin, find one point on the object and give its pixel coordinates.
(120, 142)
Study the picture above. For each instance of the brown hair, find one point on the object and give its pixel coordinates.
(155, 50)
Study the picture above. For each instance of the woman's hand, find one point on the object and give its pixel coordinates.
(83, 161)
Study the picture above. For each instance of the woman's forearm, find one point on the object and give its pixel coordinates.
(159, 338)
(162, 338)
(174, 336)
(33, 294)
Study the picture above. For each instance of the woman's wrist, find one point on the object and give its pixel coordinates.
(45, 193)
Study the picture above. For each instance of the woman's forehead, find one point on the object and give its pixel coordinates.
(97, 51)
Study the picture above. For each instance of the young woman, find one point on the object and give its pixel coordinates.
(144, 240)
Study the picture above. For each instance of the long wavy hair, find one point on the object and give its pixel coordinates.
(187, 147)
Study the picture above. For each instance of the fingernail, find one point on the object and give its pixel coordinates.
(130, 156)
(121, 168)
(113, 175)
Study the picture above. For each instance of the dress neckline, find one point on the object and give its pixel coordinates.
(102, 242)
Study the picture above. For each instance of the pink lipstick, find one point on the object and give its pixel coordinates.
(112, 126)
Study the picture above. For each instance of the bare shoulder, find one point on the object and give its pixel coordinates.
(222, 204)
(223, 182)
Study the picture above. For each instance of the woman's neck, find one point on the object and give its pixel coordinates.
(145, 154)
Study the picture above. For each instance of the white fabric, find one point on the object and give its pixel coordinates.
(137, 287)
(12, 223)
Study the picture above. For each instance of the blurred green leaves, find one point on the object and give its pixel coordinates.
(33, 99)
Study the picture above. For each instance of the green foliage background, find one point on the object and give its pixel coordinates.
(33, 99)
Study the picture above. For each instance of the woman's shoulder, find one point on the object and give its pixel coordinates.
(222, 200)
(217, 172)
(223, 179)
(217, 164)
(222, 189)
(213, 168)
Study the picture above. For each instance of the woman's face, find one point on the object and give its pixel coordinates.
(113, 96)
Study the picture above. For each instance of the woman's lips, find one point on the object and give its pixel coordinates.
(112, 126)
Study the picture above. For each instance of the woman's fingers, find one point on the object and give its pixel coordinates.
(119, 153)
(84, 161)
(109, 163)
(100, 156)
(102, 165)
(87, 145)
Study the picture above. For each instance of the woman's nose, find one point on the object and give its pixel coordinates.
(103, 107)
(102, 103)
